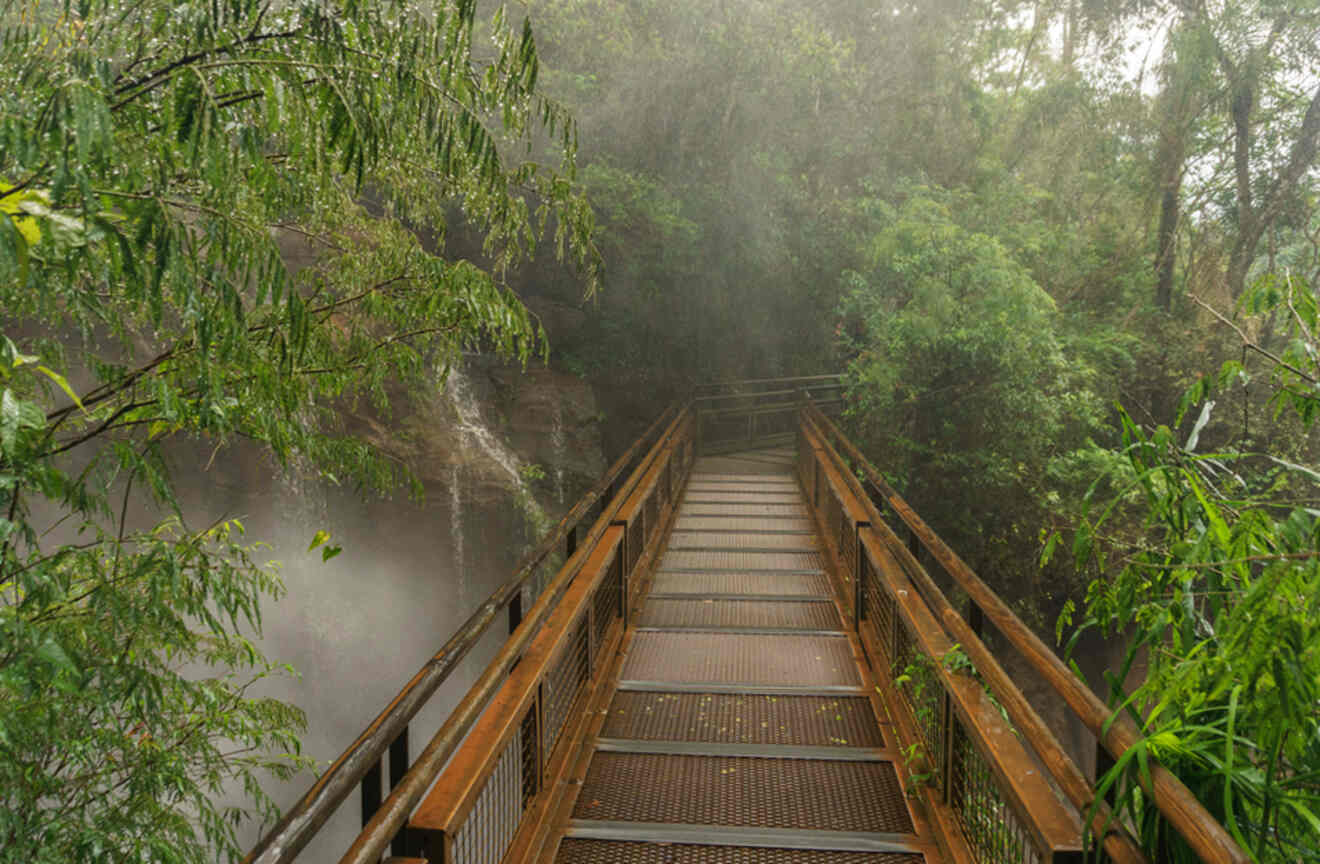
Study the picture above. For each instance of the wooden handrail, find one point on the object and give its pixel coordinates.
(398, 805)
(1117, 733)
(757, 394)
(755, 381)
(1120, 845)
(301, 822)
(1053, 827)
(462, 781)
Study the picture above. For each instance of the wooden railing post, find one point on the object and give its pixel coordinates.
(515, 611)
(399, 767)
(370, 792)
(976, 619)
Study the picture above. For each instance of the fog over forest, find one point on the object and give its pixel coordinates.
(315, 317)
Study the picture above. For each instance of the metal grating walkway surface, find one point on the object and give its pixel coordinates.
(742, 725)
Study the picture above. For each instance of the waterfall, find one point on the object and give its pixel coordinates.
(456, 531)
(557, 442)
(474, 432)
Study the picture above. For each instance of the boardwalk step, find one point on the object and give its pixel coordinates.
(748, 751)
(807, 721)
(733, 791)
(740, 508)
(699, 476)
(768, 585)
(742, 560)
(816, 615)
(700, 496)
(675, 845)
(727, 658)
(642, 686)
(707, 541)
(716, 525)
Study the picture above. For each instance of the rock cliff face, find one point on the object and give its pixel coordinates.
(500, 451)
(505, 429)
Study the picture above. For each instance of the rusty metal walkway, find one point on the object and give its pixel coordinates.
(731, 654)
(743, 725)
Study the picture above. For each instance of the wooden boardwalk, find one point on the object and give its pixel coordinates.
(741, 723)
(693, 682)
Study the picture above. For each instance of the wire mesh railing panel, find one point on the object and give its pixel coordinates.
(662, 486)
(922, 693)
(636, 539)
(880, 608)
(531, 764)
(833, 519)
(562, 686)
(847, 543)
(486, 833)
(606, 606)
(652, 517)
(991, 826)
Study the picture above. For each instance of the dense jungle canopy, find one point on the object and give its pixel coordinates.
(1067, 253)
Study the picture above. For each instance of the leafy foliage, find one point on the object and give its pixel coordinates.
(1220, 599)
(958, 372)
(161, 163)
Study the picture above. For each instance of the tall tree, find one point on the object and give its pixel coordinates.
(1185, 78)
(1268, 57)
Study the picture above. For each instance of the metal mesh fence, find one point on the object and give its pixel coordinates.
(606, 606)
(921, 691)
(652, 508)
(486, 833)
(562, 686)
(483, 834)
(878, 606)
(531, 761)
(662, 488)
(954, 762)
(992, 828)
(635, 540)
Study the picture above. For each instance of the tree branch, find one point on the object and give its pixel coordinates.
(1249, 343)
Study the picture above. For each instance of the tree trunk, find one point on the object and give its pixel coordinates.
(1168, 237)
(1070, 34)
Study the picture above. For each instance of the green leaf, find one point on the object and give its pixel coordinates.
(318, 538)
(52, 653)
(63, 384)
(17, 414)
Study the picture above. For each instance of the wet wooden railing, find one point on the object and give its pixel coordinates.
(986, 751)
(762, 412)
(496, 796)
(360, 765)
(993, 779)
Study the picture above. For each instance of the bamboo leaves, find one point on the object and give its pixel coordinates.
(1222, 599)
